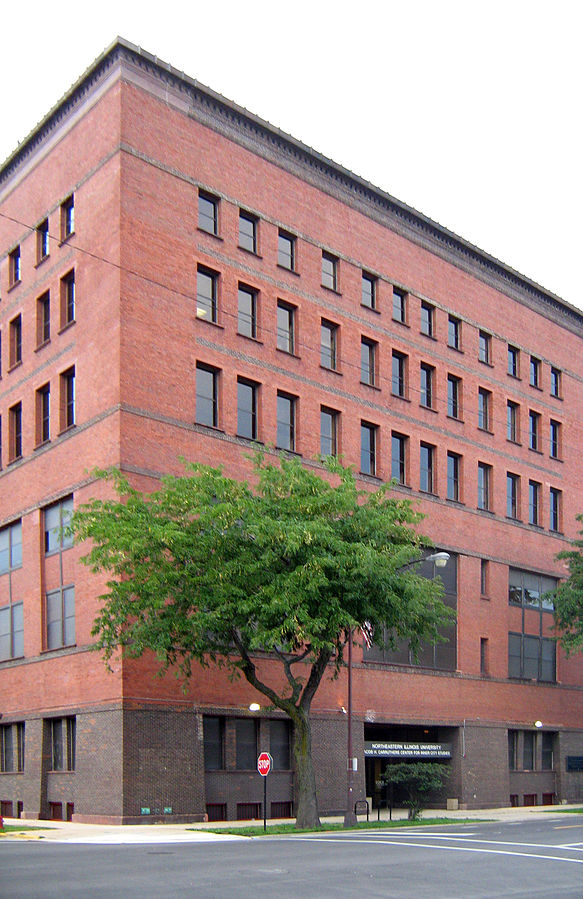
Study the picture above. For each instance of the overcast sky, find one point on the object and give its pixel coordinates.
(468, 111)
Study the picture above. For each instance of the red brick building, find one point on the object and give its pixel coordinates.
(179, 278)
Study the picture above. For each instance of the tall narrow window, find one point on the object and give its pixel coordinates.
(427, 468)
(14, 269)
(484, 486)
(329, 271)
(68, 217)
(427, 319)
(484, 409)
(42, 241)
(399, 457)
(286, 327)
(399, 306)
(68, 299)
(555, 382)
(328, 432)
(207, 395)
(368, 448)
(286, 422)
(43, 319)
(554, 439)
(528, 754)
(485, 347)
(534, 430)
(368, 361)
(247, 408)
(43, 414)
(512, 495)
(56, 519)
(555, 498)
(369, 291)
(208, 213)
(214, 743)
(454, 332)
(248, 228)
(513, 361)
(547, 755)
(484, 653)
(206, 294)
(67, 410)
(60, 617)
(63, 739)
(426, 385)
(512, 422)
(453, 476)
(15, 341)
(399, 374)
(247, 311)
(534, 489)
(484, 577)
(246, 743)
(11, 632)
(286, 251)
(329, 345)
(512, 749)
(453, 396)
(11, 547)
(534, 372)
(15, 432)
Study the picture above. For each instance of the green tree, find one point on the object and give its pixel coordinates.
(419, 779)
(569, 597)
(209, 569)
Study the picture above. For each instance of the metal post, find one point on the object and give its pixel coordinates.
(264, 804)
(350, 818)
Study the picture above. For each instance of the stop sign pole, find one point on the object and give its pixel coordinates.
(264, 765)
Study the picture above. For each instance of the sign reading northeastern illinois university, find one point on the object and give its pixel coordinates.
(407, 750)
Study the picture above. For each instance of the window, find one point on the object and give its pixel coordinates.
(14, 269)
(485, 347)
(554, 439)
(528, 754)
(399, 375)
(56, 520)
(11, 632)
(426, 386)
(484, 486)
(513, 361)
(15, 341)
(63, 739)
(247, 408)
(399, 306)
(368, 361)
(368, 448)
(207, 395)
(531, 657)
(399, 444)
(286, 251)
(68, 299)
(531, 590)
(534, 372)
(214, 743)
(207, 283)
(369, 291)
(11, 547)
(453, 476)
(547, 756)
(534, 489)
(329, 271)
(426, 468)
(60, 617)
(43, 414)
(15, 432)
(512, 749)
(12, 747)
(555, 508)
(286, 422)
(67, 410)
(42, 241)
(555, 382)
(246, 744)
(454, 332)
(328, 345)
(328, 432)
(484, 656)
(454, 396)
(534, 430)
(484, 409)
(286, 327)
(280, 744)
(484, 577)
(247, 312)
(427, 319)
(43, 319)
(248, 228)
(512, 495)
(513, 422)
(68, 217)
(208, 213)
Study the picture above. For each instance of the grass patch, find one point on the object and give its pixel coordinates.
(16, 828)
(564, 811)
(256, 830)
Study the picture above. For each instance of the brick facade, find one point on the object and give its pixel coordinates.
(107, 372)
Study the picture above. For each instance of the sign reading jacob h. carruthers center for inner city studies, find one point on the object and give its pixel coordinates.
(373, 749)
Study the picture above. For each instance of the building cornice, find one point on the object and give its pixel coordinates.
(211, 109)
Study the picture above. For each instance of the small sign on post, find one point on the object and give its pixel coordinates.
(264, 764)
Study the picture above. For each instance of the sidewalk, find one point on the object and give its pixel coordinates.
(71, 832)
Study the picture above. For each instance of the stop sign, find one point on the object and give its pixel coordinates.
(264, 763)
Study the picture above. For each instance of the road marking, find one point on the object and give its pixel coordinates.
(565, 826)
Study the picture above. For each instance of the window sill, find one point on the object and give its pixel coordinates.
(456, 418)
(398, 321)
(67, 430)
(402, 396)
(486, 362)
(15, 460)
(486, 431)
(513, 442)
(514, 377)
(454, 502)
(202, 424)
(250, 252)
(66, 327)
(210, 233)
(291, 271)
(207, 321)
(39, 262)
(44, 443)
(456, 349)
(535, 387)
(14, 284)
(487, 511)
(66, 239)
(428, 408)
(41, 346)
(288, 353)
(249, 337)
(556, 458)
(333, 290)
(14, 366)
(333, 371)
(368, 384)
(533, 449)
(429, 336)
(370, 308)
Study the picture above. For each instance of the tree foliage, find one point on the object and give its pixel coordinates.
(211, 570)
(419, 779)
(569, 597)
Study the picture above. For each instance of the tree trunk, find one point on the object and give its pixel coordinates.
(306, 806)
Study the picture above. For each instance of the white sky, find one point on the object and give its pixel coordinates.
(468, 111)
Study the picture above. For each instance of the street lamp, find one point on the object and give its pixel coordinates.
(440, 560)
